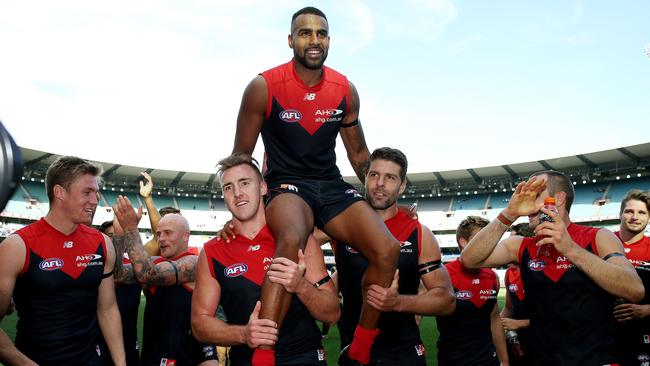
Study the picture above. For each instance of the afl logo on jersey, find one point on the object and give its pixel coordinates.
(536, 264)
(513, 287)
(464, 295)
(290, 115)
(51, 264)
(235, 270)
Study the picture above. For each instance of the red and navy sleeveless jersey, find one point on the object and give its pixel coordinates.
(515, 289)
(302, 122)
(465, 336)
(570, 315)
(633, 337)
(56, 294)
(167, 337)
(638, 253)
(396, 329)
(240, 267)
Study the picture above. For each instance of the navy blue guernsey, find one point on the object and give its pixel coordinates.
(517, 294)
(56, 294)
(465, 336)
(167, 338)
(396, 329)
(570, 315)
(240, 267)
(301, 123)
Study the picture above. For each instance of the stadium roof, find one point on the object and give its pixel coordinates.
(602, 164)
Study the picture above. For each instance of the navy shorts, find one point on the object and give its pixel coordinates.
(412, 354)
(202, 352)
(326, 198)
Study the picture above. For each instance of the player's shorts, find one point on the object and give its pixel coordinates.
(308, 358)
(412, 354)
(202, 352)
(633, 346)
(326, 198)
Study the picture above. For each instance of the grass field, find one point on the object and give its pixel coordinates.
(428, 332)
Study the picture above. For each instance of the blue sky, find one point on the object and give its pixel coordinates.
(454, 84)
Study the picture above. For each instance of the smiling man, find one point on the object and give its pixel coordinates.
(231, 274)
(60, 272)
(633, 320)
(299, 108)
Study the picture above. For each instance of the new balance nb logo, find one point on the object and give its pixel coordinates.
(310, 96)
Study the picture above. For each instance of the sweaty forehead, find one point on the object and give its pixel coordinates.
(309, 21)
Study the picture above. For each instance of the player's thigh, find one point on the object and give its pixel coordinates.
(290, 218)
(361, 227)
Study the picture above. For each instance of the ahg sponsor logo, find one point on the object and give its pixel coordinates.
(328, 115)
(88, 257)
(51, 264)
(536, 264)
(464, 295)
(290, 115)
(235, 270)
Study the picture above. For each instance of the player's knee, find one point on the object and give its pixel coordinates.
(290, 241)
(387, 254)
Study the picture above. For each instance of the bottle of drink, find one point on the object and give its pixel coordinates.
(549, 204)
(515, 347)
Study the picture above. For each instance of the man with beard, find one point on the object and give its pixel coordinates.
(571, 284)
(169, 279)
(633, 320)
(399, 342)
(231, 274)
(299, 108)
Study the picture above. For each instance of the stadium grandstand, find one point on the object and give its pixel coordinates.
(444, 198)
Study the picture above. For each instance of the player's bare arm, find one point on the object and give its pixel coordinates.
(251, 116)
(209, 329)
(498, 336)
(353, 138)
(108, 313)
(151, 246)
(123, 273)
(314, 289)
(12, 258)
(438, 299)
(610, 270)
(509, 323)
(167, 273)
(485, 248)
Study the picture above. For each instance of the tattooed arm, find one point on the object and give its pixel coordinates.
(123, 273)
(166, 273)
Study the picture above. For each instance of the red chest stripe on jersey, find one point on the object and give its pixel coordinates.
(638, 252)
(310, 107)
(70, 254)
(514, 284)
(554, 265)
(477, 287)
(401, 226)
(243, 257)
